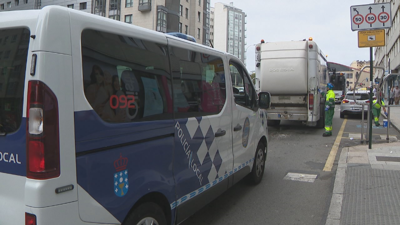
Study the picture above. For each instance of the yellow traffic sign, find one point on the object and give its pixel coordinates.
(371, 38)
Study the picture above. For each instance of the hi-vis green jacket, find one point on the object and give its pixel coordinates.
(330, 99)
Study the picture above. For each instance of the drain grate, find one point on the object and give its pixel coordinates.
(388, 159)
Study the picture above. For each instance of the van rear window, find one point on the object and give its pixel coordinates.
(13, 56)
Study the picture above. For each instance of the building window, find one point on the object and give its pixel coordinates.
(82, 5)
(70, 6)
(180, 27)
(198, 16)
(16, 2)
(14, 38)
(26, 1)
(8, 4)
(199, 2)
(187, 13)
(162, 21)
(128, 19)
(7, 54)
(144, 2)
(114, 17)
(198, 33)
(186, 29)
(2, 6)
(113, 5)
(128, 3)
(181, 10)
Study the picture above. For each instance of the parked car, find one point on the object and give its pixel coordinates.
(349, 103)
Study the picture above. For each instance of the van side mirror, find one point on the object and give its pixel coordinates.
(264, 100)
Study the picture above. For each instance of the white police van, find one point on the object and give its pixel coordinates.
(102, 122)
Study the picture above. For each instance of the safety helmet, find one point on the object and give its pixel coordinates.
(330, 85)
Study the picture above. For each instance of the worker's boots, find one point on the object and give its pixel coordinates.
(327, 134)
(377, 124)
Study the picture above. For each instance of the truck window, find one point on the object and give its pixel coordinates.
(126, 79)
(13, 58)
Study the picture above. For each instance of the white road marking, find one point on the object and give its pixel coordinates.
(301, 177)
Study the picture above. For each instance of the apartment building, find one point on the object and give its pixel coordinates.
(227, 29)
(8, 5)
(388, 56)
(186, 16)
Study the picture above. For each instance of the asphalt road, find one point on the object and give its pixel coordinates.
(293, 149)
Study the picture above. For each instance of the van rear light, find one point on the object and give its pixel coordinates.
(30, 219)
(311, 101)
(43, 150)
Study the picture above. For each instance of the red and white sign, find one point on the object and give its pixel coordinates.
(371, 16)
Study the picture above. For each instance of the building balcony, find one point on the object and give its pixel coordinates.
(144, 6)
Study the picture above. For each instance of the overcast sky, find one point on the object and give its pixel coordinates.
(326, 21)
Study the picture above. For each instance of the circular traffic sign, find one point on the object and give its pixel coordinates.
(383, 17)
(358, 19)
(370, 18)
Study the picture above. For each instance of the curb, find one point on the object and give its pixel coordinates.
(335, 207)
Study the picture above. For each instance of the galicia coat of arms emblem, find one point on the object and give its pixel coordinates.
(121, 184)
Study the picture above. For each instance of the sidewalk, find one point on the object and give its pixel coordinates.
(367, 184)
(395, 117)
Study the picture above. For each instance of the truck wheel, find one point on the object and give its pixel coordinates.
(257, 172)
(273, 122)
(146, 213)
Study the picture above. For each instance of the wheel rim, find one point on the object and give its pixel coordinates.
(148, 221)
(260, 162)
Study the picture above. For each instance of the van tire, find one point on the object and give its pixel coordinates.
(149, 212)
(273, 122)
(257, 172)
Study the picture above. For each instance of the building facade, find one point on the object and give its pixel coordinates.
(227, 29)
(388, 56)
(184, 16)
(8, 5)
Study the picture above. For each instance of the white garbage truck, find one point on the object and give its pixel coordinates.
(295, 74)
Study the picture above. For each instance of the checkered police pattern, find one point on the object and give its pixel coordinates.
(202, 130)
(208, 186)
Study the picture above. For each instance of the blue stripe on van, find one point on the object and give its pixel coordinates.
(117, 164)
(13, 151)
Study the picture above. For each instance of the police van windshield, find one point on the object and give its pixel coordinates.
(13, 56)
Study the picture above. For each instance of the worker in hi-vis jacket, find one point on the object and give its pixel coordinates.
(376, 110)
(329, 110)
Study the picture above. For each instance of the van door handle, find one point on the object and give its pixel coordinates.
(220, 133)
(237, 128)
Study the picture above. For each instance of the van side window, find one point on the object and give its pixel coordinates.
(125, 79)
(243, 90)
(198, 83)
(12, 78)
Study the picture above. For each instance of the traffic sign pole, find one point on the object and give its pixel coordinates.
(371, 64)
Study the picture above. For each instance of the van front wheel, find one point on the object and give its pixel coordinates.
(257, 172)
(147, 213)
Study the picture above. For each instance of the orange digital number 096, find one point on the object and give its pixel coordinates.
(122, 101)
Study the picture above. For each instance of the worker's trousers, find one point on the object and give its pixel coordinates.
(328, 119)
